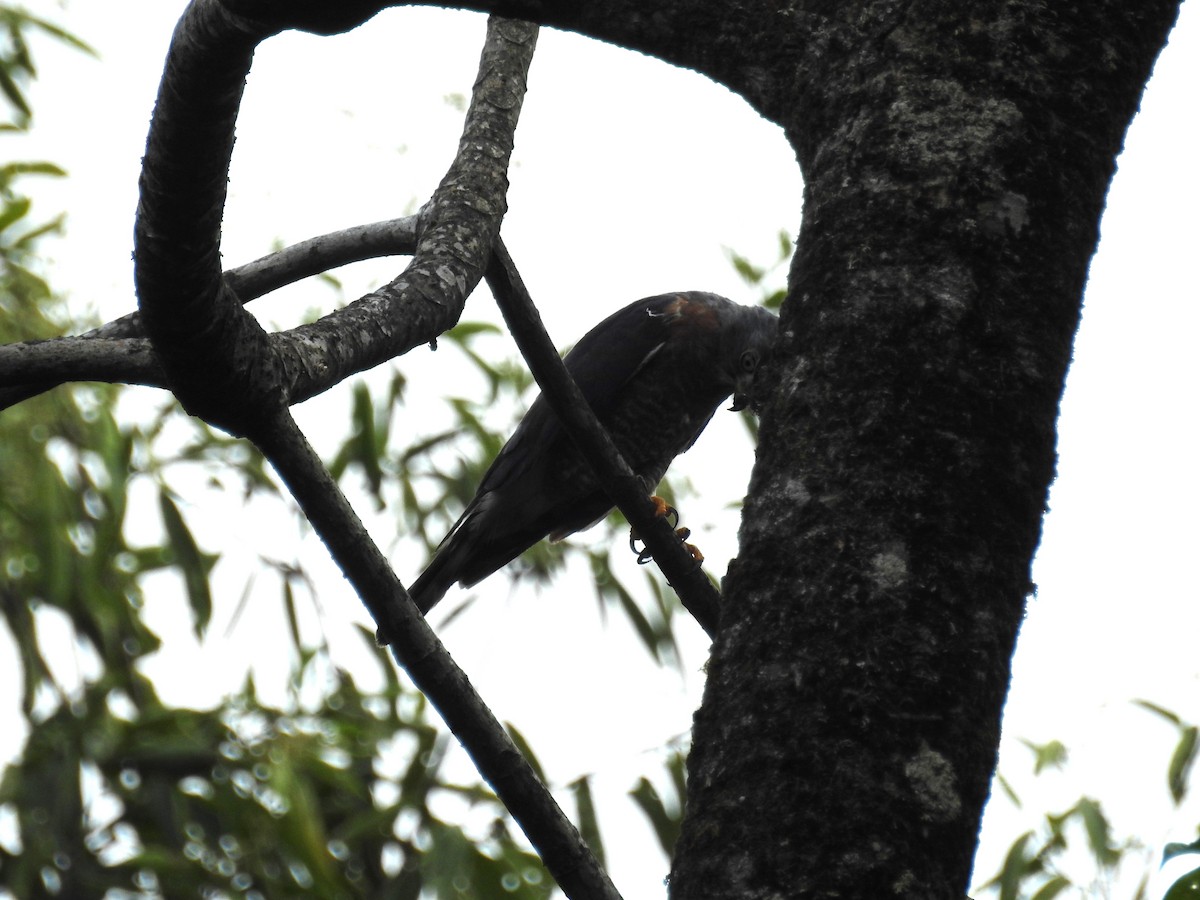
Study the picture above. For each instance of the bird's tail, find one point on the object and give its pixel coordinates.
(433, 583)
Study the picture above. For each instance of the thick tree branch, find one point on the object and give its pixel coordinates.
(430, 666)
(744, 46)
(741, 45)
(225, 369)
(40, 365)
(217, 358)
(207, 341)
(457, 229)
(627, 489)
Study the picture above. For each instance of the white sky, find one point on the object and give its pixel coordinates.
(629, 178)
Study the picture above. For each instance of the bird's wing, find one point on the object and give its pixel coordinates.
(602, 363)
(609, 355)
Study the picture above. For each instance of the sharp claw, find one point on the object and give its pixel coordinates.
(643, 554)
(664, 510)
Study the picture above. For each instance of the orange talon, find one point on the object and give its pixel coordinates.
(644, 555)
(664, 510)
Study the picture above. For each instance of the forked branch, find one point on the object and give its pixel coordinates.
(224, 368)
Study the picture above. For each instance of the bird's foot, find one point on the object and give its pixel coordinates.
(663, 510)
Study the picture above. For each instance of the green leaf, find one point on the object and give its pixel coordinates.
(1052, 754)
(191, 562)
(785, 245)
(289, 607)
(664, 822)
(13, 169)
(55, 31)
(54, 226)
(366, 445)
(1008, 790)
(526, 751)
(1017, 866)
(1181, 763)
(10, 90)
(751, 274)
(607, 586)
(14, 210)
(585, 809)
(1159, 711)
(1097, 827)
(1052, 888)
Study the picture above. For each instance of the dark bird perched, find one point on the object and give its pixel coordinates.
(654, 373)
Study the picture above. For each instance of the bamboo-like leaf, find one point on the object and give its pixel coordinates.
(10, 90)
(585, 809)
(526, 751)
(1052, 888)
(14, 210)
(41, 167)
(1050, 755)
(1161, 711)
(1181, 763)
(289, 608)
(193, 564)
(664, 822)
(1096, 825)
(1016, 867)
(1007, 788)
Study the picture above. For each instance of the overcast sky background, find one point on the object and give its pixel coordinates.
(629, 179)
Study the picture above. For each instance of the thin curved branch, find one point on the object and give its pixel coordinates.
(114, 352)
(624, 487)
(430, 666)
(392, 237)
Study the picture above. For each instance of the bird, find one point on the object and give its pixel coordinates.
(654, 373)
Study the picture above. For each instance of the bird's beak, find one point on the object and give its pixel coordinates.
(742, 391)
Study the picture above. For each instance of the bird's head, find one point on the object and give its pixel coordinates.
(746, 341)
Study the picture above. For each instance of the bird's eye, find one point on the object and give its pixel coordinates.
(749, 361)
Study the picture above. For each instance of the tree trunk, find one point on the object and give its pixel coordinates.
(956, 159)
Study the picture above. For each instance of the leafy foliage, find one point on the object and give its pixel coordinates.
(765, 277)
(335, 791)
(1033, 868)
(16, 61)
(332, 793)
